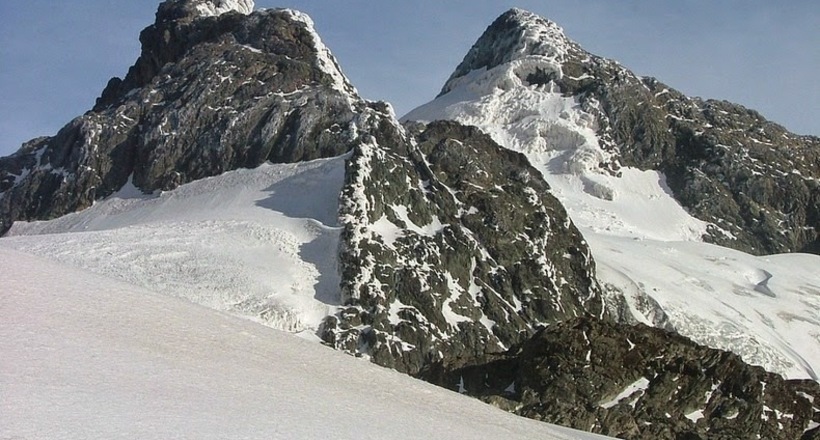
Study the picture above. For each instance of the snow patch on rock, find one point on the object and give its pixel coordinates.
(213, 8)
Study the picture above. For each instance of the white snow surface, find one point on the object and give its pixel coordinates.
(258, 243)
(88, 357)
(766, 309)
(212, 8)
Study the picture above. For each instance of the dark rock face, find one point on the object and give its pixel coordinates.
(755, 182)
(207, 95)
(638, 383)
(453, 248)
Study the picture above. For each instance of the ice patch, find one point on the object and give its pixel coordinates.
(212, 8)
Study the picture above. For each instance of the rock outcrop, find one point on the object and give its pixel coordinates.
(453, 248)
(637, 382)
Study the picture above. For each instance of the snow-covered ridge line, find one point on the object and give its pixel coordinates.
(213, 8)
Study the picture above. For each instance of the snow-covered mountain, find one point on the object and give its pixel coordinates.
(236, 167)
(535, 91)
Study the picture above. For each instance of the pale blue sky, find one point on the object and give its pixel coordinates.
(56, 55)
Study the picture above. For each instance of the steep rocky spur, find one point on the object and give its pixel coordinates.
(453, 248)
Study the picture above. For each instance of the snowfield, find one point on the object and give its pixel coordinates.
(259, 243)
(645, 244)
(88, 357)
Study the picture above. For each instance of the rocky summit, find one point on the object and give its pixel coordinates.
(209, 93)
(756, 184)
(458, 262)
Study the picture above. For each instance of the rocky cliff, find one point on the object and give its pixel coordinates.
(453, 248)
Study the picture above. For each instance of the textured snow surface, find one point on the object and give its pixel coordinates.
(211, 8)
(765, 309)
(88, 357)
(259, 243)
(643, 241)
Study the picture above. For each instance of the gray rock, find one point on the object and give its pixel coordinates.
(637, 382)
(453, 248)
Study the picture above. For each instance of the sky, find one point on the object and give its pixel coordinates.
(56, 56)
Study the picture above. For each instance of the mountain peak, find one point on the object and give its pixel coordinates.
(516, 34)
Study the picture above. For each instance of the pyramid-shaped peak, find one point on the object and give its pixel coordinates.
(515, 34)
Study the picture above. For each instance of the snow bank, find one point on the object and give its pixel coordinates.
(88, 357)
(258, 243)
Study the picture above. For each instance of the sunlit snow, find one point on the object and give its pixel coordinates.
(259, 243)
(88, 357)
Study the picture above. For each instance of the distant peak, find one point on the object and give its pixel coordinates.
(516, 34)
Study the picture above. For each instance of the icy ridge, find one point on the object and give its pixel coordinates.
(212, 8)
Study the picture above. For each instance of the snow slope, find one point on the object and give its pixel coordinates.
(259, 243)
(644, 242)
(88, 357)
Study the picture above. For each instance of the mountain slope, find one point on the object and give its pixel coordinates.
(252, 179)
(452, 248)
(637, 382)
(583, 120)
(88, 357)
(457, 275)
(258, 243)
